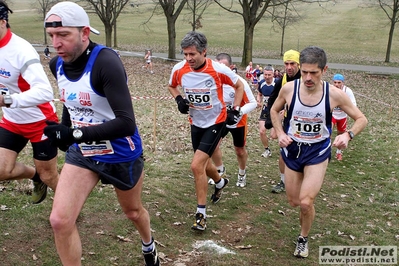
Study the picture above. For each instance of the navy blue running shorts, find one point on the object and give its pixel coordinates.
(297, 155)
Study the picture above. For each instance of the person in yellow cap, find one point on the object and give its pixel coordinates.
(291, 65)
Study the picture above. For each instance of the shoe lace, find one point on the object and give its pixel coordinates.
(302, 244)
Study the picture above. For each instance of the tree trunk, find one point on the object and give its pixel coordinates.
(108, 35)
(282, 41)
(248, 43)
(45, 35)
(115, 36)
(171, 38)
(389, 46)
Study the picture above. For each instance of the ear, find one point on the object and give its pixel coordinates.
(85, 33)
(325, 69)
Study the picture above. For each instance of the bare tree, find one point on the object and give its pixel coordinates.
(284, 15)
(42, 7)
(172, 10)
(197, 8)
(391, 10)
(108, 11)
(251, 12)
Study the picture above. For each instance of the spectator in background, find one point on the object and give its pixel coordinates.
(47, 53)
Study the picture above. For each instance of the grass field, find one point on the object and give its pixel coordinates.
(348, 31)
(357, 206)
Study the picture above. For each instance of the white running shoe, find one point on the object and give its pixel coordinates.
(266, 153)
(242, 180)
(301, 250)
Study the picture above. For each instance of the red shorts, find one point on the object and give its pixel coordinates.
(31, 131)
(341, 124)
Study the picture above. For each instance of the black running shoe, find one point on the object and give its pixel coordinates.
(218, 192)
(200, 222)
(151, 258)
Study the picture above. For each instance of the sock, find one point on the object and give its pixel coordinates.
(201, 209)
(339, 151)
(36, 178)
(220, 184)
(220, 168)
(304, 237)
(282, 177)
(241, 172)
(267, 148)
(147, 247)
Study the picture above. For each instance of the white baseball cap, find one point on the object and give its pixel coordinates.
(71, 14)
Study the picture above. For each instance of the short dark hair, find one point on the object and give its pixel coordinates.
(224, 56)
(4, 9)
(268, 68)
(313, 55)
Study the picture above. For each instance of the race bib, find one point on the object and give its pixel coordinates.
(200, 98)
(96, 148)
(307, 128)
(92, 148)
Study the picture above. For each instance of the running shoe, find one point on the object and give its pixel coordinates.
(266, 153)
(200, 222)
(151, 258)
(301, 250)
(280, 187)
(218, 192)
(338, 156)
(39, 192)
(242, 180)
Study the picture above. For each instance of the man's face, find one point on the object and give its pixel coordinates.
(291, 68)
(339, 84)
(268, 76)
(68, 42)
(311, 75)
(194, 58)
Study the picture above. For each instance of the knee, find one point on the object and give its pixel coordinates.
(60, 223)
(293, 202)
(136, 213)
(4, 173)
(197, 169)
(240, 151)
(48, 176)
(306, 205)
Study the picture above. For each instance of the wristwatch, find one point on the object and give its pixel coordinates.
(351, 135)
(77, 134)
(7, 100)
